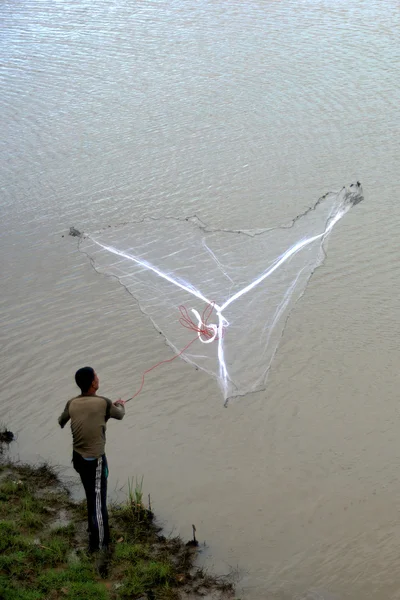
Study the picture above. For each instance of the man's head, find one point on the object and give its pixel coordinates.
(87, 380)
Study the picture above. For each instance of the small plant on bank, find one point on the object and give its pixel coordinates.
(135, 503)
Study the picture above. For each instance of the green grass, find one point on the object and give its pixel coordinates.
(69, 578)
(64, 531)
(74, 583)
(31, 520)
(42, 561)
(18, 500)
(145, 576)
(29, 502)
(8, 530)
(11, 489)
(86, 590)
(14, 564)
(131, 552)
(50, 553)
(10, 590)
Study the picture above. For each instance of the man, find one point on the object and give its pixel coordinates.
(89, 414)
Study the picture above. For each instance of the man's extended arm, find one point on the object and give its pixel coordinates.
(65, 416)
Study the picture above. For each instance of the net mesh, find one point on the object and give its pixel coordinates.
(247, 281)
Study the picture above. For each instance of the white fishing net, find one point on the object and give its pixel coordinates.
(248, 280)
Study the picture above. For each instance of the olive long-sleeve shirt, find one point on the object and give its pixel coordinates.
(89, 415)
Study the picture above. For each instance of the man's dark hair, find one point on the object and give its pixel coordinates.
(84, 378)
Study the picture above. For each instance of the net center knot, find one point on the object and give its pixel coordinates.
(206, 332)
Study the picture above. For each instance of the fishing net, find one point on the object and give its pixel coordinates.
(220, 298)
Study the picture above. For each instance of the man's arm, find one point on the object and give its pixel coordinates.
(65, 416)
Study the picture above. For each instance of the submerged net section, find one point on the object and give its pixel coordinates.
(247, 282)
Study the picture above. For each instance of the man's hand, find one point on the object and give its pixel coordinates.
(120, 402)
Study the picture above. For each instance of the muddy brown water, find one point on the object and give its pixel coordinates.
(243, 113)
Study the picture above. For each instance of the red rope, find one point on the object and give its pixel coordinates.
(186, 321)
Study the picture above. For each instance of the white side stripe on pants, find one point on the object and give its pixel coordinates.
(99, 514)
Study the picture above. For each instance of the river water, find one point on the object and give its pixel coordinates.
(243, 113)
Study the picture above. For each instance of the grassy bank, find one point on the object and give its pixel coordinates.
(43, 541)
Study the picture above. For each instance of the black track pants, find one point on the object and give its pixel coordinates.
(94, 475)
